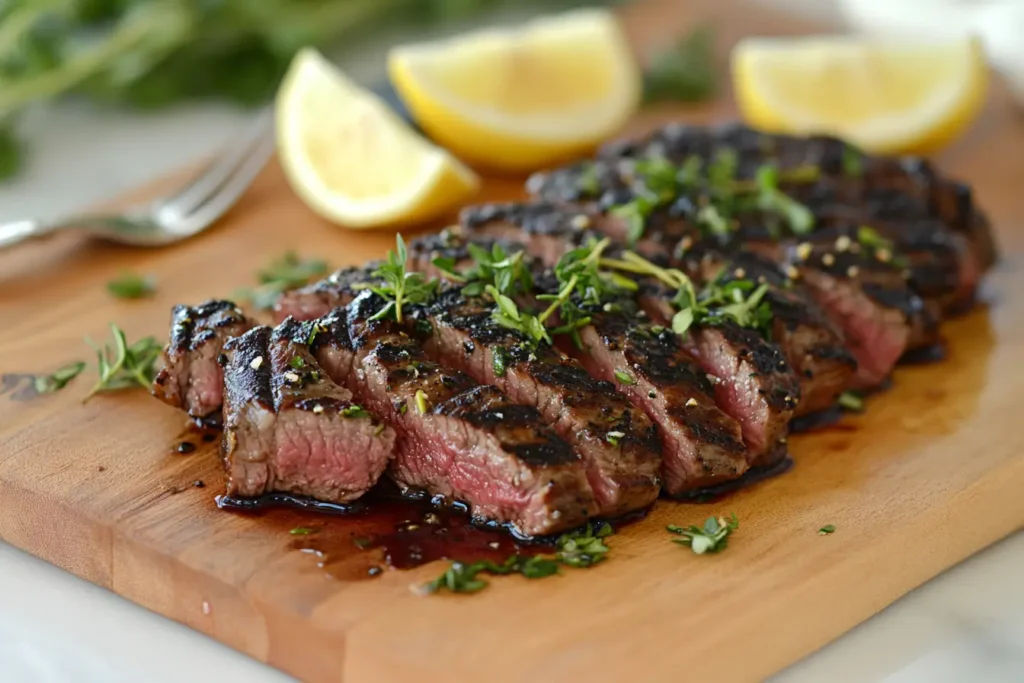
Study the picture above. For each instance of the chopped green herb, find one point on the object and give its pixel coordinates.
(397, 286)
(354, 411)
(446, 264)
(853, 162)
(421, 402)
(710, 538)
(297, 363)
(710, 218)
(122, 366)
(585, 547)
(47, 384)
(634, 214)
(132, 286)
(499, 360)
(614, 437)
(508, 315)
(588, 182)
(362, 542)
(282, 274)
(684, 73)
(852, 401)
(771, 199)
(314, 330)
(827, 529)
(423, 326)
(302, 531)
(624, 377)
(464, 578)
(509, 274)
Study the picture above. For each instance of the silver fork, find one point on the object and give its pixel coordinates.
(178, 216)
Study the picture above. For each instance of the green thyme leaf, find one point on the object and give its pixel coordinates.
(853, 162)
(132, 286)
(827, 529)
(499, 360)
(122, 365)
(397, 286)
(302, 531)
(59, 379)
(614, 437)
(624, 377)
(770, 199)
(585, 547)
(354, 411)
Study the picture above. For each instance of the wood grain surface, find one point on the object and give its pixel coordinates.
(931, 474)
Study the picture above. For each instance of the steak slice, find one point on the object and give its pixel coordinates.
(701, 445)
(456, 438)
(322, 297)
(812, 344)
(289, 428)
(190, 377)
(753, 382)
(546, 229)
(617, 443)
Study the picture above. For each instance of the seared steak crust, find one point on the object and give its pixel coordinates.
(616, 441)
(323, 296)
(701, 445)
(456, 437)
(190, 377)
(289, 428)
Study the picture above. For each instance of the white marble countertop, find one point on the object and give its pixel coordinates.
(966, 625)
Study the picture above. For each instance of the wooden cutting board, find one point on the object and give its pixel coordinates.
(931, 474)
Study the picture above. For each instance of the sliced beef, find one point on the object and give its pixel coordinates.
(546, 229)
(701, 445)
(812, 344)
(190, 377)
(616, 441)
(320, 298)
(753, 382)
(456, 438)
(288, 427)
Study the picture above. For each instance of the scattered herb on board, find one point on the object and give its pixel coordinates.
(852, 401)
(130, 285)
(827, 529)
(122, 365)
(397, 286)
(582, 548)
(302, 531)
(47, 384)
(713, 537)
(685, 72)
(285, 272)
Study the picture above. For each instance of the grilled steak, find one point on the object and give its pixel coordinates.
(701, 445)
(813, 346)
(288, 427)
(320, 298)
(190, 378)
(456, 438)
(617, 442)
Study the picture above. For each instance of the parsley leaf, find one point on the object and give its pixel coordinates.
(710, 538)
(827, 529)
(585, 547)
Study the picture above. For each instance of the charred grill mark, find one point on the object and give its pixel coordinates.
(248, 369)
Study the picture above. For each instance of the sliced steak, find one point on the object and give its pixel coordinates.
(190, 377)
(320, 298)
(753, 382)
(701, 445)
(812, 344)
(290, 428)
(456, 438)
(546, 229)
(616, 441)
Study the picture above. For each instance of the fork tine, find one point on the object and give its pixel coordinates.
(216, 204)
(218, 172)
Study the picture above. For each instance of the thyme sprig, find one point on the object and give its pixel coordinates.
(508, 273)
(122, 365)
(398, 286)
(712, 537)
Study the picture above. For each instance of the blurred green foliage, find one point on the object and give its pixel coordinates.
(150, 53)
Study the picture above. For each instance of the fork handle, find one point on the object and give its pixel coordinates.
(19, 231)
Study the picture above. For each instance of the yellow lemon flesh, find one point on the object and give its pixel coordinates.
(885, 97)
(517, 100)
(353, 160)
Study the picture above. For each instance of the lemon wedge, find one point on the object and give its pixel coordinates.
(520, 99)
(352, 159)
(886, 97)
